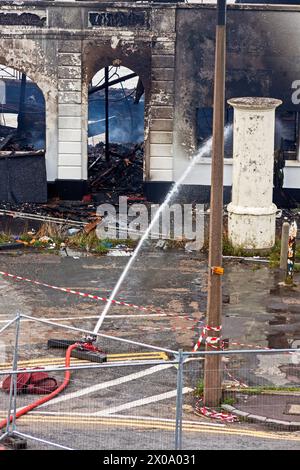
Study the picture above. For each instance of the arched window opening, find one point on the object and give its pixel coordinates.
(22, 139)
(116, 132)
(22, 112)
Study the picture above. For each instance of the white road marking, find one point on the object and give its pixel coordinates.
(141, 402)
(92, 317)
(110, 383)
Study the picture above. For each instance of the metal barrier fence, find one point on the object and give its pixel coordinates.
(138, 399)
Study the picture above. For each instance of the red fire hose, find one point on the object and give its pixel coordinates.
(51, 395)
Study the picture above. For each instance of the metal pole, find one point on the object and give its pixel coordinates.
(106, 114)
(8, 324)
(15, 367)
(289, 280)
(28, 436)
(101, 335)
(22, 104)
(212, 374)
(113, 82)
(284, 245)
(178, 424)
(13, 381)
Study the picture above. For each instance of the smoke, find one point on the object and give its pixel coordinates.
(126, 123)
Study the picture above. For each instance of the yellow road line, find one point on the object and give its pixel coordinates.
(110, 357)
(147, 353)
(155, 424)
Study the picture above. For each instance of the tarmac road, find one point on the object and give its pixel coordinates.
(174, 282)
(107, 434)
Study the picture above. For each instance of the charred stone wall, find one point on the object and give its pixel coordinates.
(263, 59)
(61, 45)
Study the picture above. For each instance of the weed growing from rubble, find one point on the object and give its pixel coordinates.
(5, 237)
(101, 250)
(274, 257)
(229, 397)
(198, 392)
(51, 237)
(82, 241)
(229, 250)
(266, 389)
(53, 231)
(228, 401)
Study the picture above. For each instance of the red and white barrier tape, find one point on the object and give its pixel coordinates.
(209, 340)
(249, 345)
(238, 382)
(97, 297)
(209, 413)
(212, 342)
(199, 407)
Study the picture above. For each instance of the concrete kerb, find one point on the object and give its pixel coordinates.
(269, 422)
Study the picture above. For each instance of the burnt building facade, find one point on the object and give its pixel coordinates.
(170, 46)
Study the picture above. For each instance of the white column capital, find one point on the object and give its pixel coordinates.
(254, 103)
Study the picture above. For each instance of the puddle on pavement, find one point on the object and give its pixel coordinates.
(249, 322)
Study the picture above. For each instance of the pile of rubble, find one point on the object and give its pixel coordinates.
(56, 211)
(121, 174)
(13, 141)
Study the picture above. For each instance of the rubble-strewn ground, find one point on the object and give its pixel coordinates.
(175, 282)
(121, 174)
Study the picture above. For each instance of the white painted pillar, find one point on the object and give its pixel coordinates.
(71, 157)
(251, 214)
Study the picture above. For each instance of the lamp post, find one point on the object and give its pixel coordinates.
(212, 372)
(106, 81)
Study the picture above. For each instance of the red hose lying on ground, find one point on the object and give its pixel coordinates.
(51, 395)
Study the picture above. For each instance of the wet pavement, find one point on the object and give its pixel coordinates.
(165, 281)
(172, 281)
(275, 407)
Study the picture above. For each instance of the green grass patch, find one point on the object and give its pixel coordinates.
(198, 392)
(90, 242)
(5, 238)
(267, 388)
(274, 256)
(297, 268)
(83, 241)
(229, 250)
(25, 237)
(38, 244)
(100, 249)
(228, 401)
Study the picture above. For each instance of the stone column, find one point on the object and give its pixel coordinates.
(70, 152)
(251, 214)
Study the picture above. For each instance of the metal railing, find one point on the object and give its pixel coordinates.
(92, 413)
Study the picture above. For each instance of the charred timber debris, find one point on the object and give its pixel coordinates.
(121, 174)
